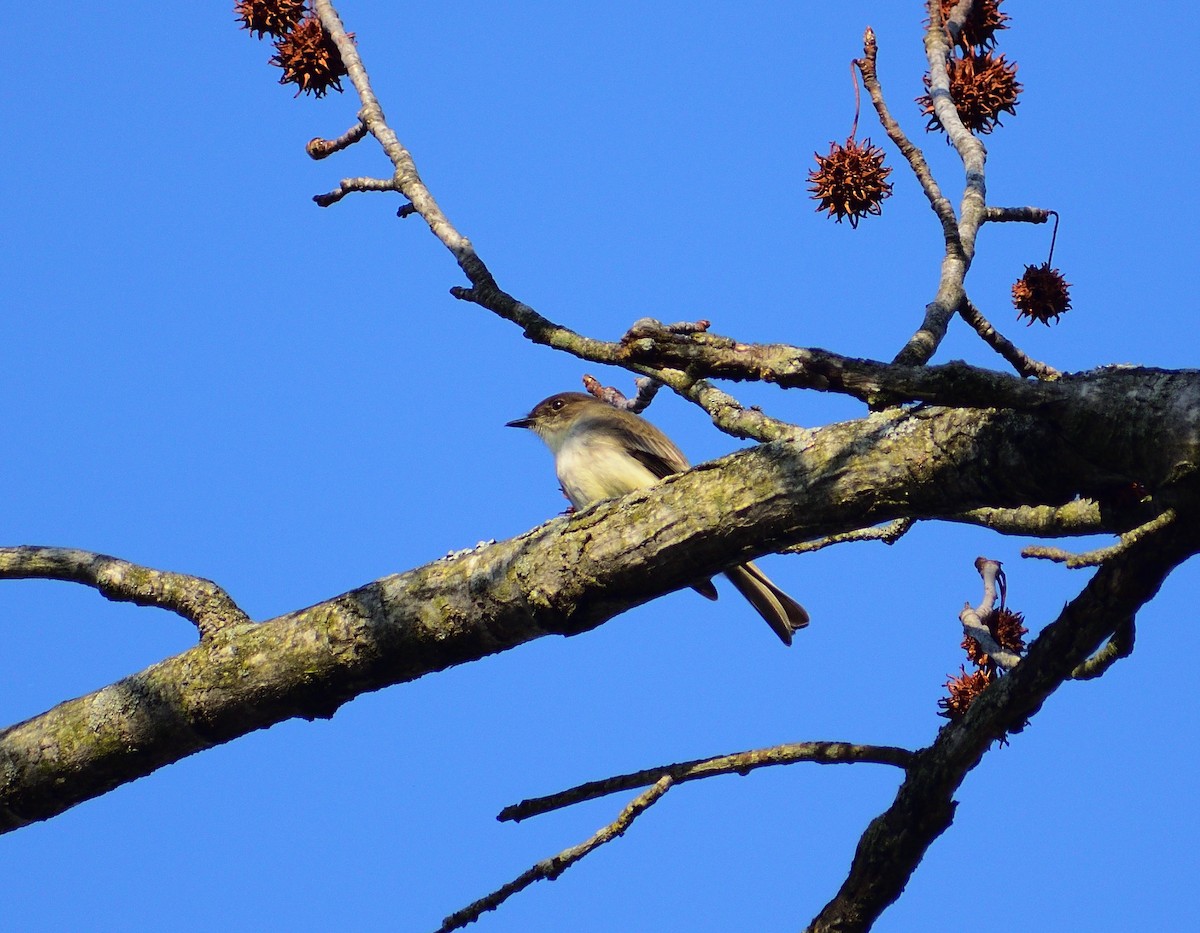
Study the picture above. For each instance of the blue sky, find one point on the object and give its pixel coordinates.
(207, 373)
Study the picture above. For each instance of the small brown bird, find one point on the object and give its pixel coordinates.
(601, 452)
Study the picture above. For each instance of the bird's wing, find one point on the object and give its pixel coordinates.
(653, 449)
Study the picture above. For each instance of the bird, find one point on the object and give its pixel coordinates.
(601, 451)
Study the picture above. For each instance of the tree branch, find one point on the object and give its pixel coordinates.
(1009, 215)
(1119, 646)
(200, 601)
(911, 152)
(890, 533)
(893, 845)
(960, 250)
(565, 577)
(551, 868)
(876, 383)
(1024, 364)
(823, 753)
(1098, 556)
(1079, 517)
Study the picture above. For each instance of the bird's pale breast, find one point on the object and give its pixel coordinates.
(592, 466)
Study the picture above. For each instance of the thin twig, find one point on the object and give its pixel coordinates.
(1098, 556)
(407, 180)
(319, 148)
(1053, 237)
(646, 387)
(200, 601)
(350, 185)
(911, 152)
(1024, 215)
(1120, 645)
(822, 753)
(889, 534)
(1024, 364)
(551, 868)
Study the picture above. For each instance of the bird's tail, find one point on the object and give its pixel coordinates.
(782, 613)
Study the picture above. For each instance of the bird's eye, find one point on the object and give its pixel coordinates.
(557, 404)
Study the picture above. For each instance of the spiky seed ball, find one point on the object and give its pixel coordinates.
(309, 59)
(1008, 628)
(979, 29)
(963, 690)
(982, 86)
(269, 17)
(851, 181)
(1041, 294)
(975, 653)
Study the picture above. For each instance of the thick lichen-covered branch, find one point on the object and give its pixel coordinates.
(564, 577)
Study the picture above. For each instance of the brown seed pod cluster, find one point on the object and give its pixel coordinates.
(962, 691)
(309, 59)
(983, 86)
(269, 17)
(1041, 294)
(1008, 629)
(851, 181)
(303, 49)
(979, 29)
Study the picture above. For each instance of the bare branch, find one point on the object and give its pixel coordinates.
(551, 868)
(406, 178)
(958, 18)
(970, 150)
(960, 249)
(1119, 646)
(351, 185)
(916, 158)
(319, 148)
(647, 388)
(823, 753)
(1078, 517)
(1024, 215)
(871, 381)
(1098, 556)
(1024, 364)
(896, 841)
(200, 601)
(889, 534)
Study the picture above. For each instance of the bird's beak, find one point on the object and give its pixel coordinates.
(520, 423)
